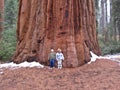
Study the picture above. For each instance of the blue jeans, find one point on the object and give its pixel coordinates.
(52, 62)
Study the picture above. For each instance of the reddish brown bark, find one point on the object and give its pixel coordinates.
(1, 15)
(65, 24)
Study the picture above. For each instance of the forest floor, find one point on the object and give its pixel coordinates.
(99, 75)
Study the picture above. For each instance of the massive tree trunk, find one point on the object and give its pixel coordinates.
(65, 24)
(1, 15)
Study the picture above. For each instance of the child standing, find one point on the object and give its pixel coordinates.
(59, 58)
(52, 58)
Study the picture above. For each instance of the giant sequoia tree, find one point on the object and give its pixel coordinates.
(66, 24)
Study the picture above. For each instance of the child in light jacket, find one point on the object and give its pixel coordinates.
(59, 58)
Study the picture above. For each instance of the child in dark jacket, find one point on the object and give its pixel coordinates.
(52, 58)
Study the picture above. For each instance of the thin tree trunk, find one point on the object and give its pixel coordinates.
(1, 15)
(102, 20)
(111, 21)
(119, 34)
(66, 24)
(115, 29)
(106, 22)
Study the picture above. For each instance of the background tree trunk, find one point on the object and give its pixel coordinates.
(1, 15)
(106, 23)
(66, 24)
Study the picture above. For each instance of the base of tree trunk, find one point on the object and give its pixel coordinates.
(47, 24)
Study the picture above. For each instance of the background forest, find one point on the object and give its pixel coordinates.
(107, 19)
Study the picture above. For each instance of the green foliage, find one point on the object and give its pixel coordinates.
(111, 47)
(116, 14)
(7, 44)
(11, 8)
(116, 8)
(8, 40)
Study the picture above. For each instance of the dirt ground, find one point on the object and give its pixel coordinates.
(100, 75)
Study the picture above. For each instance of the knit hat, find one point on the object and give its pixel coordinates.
(59, 49)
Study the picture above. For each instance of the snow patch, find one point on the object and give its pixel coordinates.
(24, 64)
(93, 57)
(109, 57)
(113, 56)
(1, 72)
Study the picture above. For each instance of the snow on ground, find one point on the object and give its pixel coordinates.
(36, 64)
(1, 71)
(113, 56)
(94, 57)
(24, 64)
